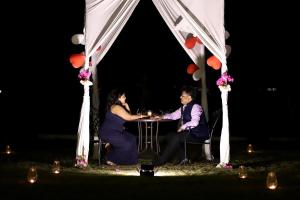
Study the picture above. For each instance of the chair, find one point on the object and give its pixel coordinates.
(102, 148)
(216, 116)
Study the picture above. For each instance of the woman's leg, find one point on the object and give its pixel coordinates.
(124, 149)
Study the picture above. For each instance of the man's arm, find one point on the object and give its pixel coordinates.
(173, 116)
(196, 113)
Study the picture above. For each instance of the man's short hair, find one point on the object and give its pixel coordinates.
(192, 91)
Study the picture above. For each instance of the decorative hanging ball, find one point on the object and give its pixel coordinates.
(214, 62)
(77, 60)
(191, 68)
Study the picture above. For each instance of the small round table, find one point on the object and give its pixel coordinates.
(149, 123)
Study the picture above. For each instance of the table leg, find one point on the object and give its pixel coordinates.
(156, 138)
(151, 132)
(140, 130)
(146, 136)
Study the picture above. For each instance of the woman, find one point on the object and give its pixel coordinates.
(123, 149)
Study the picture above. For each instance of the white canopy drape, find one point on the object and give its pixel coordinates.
(204, 19)
(104, 19)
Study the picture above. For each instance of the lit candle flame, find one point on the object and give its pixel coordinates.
(242, 172)
(250, 148)
(56, 167)
(32, 175)
(8, 150)
(272, 182)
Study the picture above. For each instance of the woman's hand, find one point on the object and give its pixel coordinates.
(126, 106)
(143, 116)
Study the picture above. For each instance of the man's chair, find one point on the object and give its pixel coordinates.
(206, 145)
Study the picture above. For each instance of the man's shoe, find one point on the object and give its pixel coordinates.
(157, 162)
(184, 162)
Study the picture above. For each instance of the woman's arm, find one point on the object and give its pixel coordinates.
(126, 106)
(121, 112)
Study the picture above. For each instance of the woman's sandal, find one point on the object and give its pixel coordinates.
(110, 163)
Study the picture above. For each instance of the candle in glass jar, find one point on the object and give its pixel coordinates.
(32, 175)
(56, 167)
(8, 150)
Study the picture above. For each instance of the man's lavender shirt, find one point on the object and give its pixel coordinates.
(195, 114)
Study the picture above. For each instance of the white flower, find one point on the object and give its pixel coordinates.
(224, 88)
(86, 82)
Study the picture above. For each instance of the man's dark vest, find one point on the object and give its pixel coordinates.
(201, 130)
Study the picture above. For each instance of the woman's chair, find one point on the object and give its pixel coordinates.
(207, 143)
(103, 148)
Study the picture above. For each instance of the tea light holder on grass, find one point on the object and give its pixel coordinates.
(56, 169)
(32, 175)
(8, 150)
(271, 181)
(243, 172)
(250, 149)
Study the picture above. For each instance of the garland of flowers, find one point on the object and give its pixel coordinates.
(223, 82)
(81, 161)
(224, 86)
(84, 76)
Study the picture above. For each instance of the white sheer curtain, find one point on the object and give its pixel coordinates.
(104, 19)
(204, 19)
(181, 29)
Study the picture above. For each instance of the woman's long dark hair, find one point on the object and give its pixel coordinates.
(113, 98)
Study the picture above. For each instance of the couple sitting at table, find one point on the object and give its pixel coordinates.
(123, 144)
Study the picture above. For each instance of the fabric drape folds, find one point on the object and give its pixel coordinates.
(204, 19)
(104, 19)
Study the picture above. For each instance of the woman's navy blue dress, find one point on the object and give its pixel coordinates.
(124, 147)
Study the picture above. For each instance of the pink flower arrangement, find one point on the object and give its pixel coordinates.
(84, 75)
(80, 162)
(224, 80)
(227, 166)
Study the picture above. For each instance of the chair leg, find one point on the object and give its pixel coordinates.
(185, 160)
(185, 155)
(103, 149)
(99, 153)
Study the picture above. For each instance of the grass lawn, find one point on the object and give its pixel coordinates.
(199, 180)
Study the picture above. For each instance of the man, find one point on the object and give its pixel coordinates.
(192, 125)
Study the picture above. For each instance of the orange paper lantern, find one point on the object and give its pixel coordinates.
(191, 68)
(77, 60)
(190, 42)
(214, 62)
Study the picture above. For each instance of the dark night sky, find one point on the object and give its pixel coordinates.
(41, 93)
